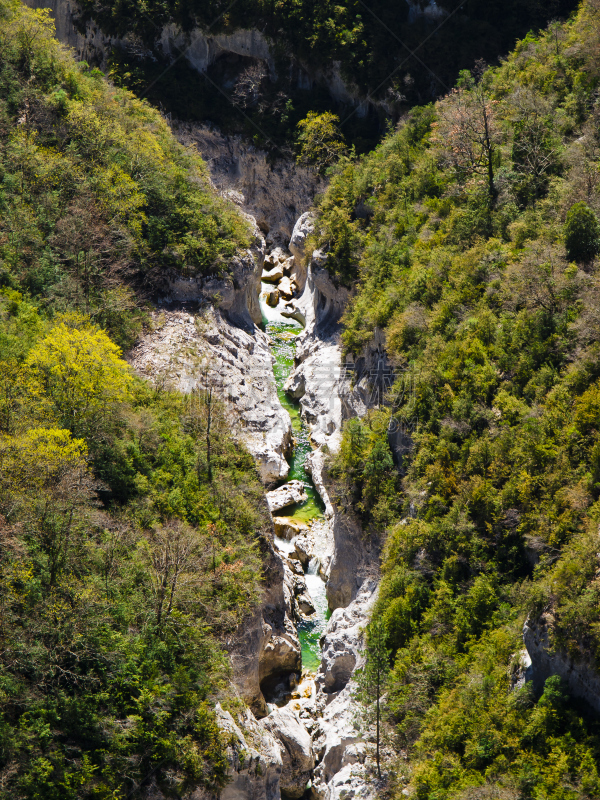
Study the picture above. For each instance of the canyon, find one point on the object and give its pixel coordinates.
(299, 725)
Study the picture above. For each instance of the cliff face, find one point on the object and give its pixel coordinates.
(200, 50)
(91, 45)
(274, 193)
(581, 678)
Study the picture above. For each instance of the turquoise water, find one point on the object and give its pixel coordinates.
(283, 333)
(283, 348)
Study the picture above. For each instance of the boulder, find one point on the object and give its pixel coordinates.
(295, 385)
(292, 311)
(277, 256)
(297, 756)
(305, 604)
(302, 550)
(274, 275)
(287, 495)
(272, 297)
(287, 527)
(295, 566)
(287, 287)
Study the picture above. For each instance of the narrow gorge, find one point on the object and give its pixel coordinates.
(271, 350)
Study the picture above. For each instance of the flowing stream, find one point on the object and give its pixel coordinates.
(283, 332)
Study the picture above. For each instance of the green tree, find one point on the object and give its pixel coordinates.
(372, 680)
(320, 141)
(582, 234)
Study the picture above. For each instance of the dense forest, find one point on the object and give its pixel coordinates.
(126, 557)
(471, 236)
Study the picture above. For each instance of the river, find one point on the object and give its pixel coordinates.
(283, 332)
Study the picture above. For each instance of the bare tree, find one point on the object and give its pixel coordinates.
(174, 554)
(467, 132)
(541, 280)
(248, 87)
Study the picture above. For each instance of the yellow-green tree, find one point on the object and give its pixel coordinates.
(80, 376)
(321, 143)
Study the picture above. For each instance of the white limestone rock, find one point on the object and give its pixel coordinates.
(343, 640)
(296, 750)
(302, 229)
(287, 495)
(295, 385)
(287, 287)
(273, 275)
(254, 756)
(180, 348)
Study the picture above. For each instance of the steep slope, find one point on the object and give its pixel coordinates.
(470, 238)
(259, 67)
(138, 581)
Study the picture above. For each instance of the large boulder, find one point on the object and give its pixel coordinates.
(296, 750)
(287, 495)
(288, 527)
(287, 288)
(295, 385)
(272, 297)
(273, 275)
(302, 229)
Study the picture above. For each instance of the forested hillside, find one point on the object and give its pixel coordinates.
(127, 552)
(471, 236)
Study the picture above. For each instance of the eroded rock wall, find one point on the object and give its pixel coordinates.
(581, 678)
(200, 49)
(275, 192)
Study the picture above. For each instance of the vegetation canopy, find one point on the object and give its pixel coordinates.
(470, 236)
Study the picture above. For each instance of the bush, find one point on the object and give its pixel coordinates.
(582, 234)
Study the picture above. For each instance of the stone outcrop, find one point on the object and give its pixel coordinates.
(273, 275)
(296, 750)
(91, 44)
(302, 229)
(236, 295)
(275, 193)
(254, 756)
(582, 679)
(287, 495)
(355, 558)
(343, 640)
(266, 644)
(339, 746)
(185, 351)
(288, 528)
